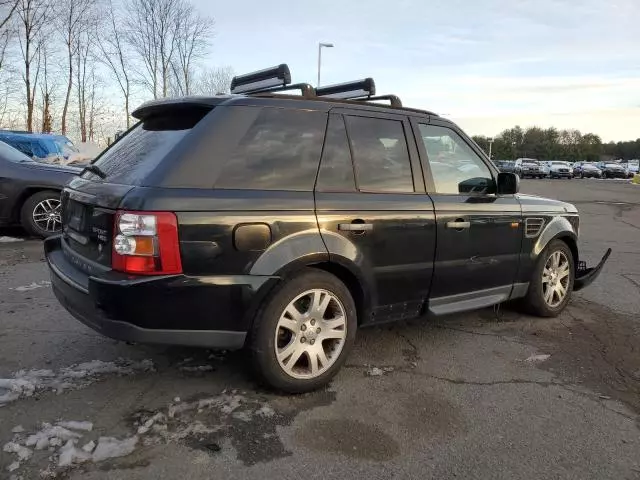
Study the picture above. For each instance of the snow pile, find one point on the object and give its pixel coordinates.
(4, 239)
(63, 438)
(25, 383)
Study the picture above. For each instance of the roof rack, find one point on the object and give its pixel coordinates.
(274, 79)
(278, 79)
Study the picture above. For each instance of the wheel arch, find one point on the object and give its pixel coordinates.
(559, 228)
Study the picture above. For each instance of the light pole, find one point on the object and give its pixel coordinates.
(490, 144)
(320, 45)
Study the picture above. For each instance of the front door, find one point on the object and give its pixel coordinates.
(479, 232)
(373, 211)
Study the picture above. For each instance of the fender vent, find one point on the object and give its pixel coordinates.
(533, 227)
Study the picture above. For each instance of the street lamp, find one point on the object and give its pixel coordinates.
(320, 45)
(490, 140)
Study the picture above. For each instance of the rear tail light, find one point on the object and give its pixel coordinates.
(146, 243)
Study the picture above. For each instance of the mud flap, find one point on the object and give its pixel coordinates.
(585, 276)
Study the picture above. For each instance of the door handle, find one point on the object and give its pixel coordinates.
(459, 225)
(355, 227)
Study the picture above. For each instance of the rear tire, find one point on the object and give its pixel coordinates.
(40, 214)
(552, 281)
(296, 347)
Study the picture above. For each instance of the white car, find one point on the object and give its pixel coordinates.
(560, 169)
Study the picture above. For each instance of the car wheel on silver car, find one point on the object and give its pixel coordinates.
(41, 214)
(303, 333)
(552, 281)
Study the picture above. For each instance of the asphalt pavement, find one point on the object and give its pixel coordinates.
(492, 394)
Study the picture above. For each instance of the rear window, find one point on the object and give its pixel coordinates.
(138, 153)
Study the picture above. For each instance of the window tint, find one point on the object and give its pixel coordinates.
(280, 151)
(136, 155)
(455, 167)
(380, 155)
(336, 169)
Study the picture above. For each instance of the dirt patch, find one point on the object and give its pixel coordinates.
(27, 251)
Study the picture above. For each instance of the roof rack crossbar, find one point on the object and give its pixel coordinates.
(348, 90)
(394, 100)
(306, 90)
(260, 80)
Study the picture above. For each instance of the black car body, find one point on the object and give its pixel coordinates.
(586, 170)
(612, 170)
(275, 193)
(30, 191)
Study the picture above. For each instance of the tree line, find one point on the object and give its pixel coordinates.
(64, 64)
(553, 144)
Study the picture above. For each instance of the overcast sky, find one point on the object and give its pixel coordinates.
(486, 64)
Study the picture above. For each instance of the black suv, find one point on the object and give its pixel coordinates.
(283, 223)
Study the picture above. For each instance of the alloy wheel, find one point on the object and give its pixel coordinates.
(555, 278)
(47, 215)
(310, 334)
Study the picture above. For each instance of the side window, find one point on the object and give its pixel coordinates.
(24, 147)
(455, 167)
(336, 169)
(380, 155)
(280, 151)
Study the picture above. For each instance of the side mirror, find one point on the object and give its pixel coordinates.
(508, 183)
(476, 185)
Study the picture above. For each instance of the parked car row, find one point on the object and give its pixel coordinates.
(528, 167)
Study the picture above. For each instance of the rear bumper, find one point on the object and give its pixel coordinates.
(586, 276)
(212, 312)
(611, 174)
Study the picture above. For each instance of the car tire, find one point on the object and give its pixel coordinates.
(40, 214)
(286, 340)
(538, 300)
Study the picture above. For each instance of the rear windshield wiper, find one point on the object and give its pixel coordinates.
(94, 169)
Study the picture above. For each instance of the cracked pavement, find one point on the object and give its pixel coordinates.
(456, 397)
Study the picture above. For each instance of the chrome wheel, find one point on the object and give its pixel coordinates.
(555, 278)
(46, 215)
(310, 334)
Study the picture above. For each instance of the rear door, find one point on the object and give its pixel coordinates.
(373, 211)
(479, 232)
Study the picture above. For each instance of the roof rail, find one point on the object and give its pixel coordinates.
(349, 90)
(394, 100)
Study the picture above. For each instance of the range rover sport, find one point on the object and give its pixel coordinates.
(283, 223)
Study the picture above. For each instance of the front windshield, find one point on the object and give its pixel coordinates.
(9, 153)
(562, 164)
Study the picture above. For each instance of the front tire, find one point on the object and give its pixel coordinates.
(40, 215)
(304, 332)
(552, 281)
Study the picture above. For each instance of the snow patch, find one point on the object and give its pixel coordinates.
(109, 447)
(378, 372)
(70, 455)
(13, 467)
(5, 239)
(17, 429)
(73, 425)
(25, 383)
(537, 358)
(32, 286)
(23, 453)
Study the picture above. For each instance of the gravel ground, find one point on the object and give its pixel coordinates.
(489, 394)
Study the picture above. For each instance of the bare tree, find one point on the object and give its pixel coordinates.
(83, 68)
(32, 17)
(153, 28)
(73, 18)
(46, 92)
(115, 57)
(214, 81)
(194, 33)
